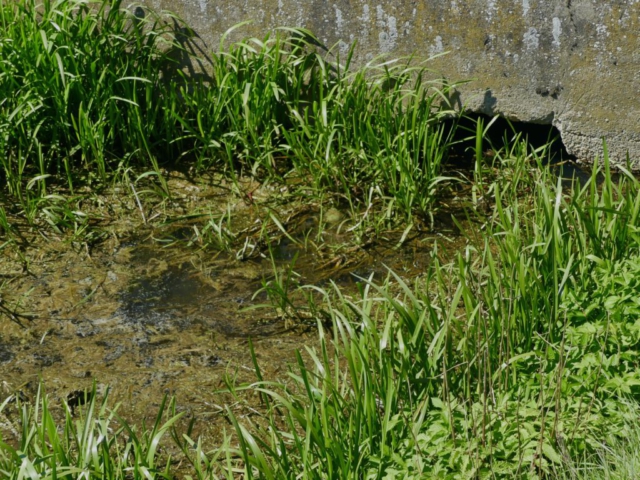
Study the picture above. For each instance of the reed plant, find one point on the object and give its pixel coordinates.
(92, 89)
(505, 363)
(95, 443)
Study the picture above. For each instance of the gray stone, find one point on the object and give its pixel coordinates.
(571, 63)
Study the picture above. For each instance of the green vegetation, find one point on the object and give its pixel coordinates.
(616, 458)
(514, 356)
(519, 355)
(91, 91)
(97, 444)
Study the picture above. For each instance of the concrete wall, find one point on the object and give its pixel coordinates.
(572, 63)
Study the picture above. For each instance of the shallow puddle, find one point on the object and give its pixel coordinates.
(149, 320)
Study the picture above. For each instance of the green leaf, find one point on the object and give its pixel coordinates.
(551, 454)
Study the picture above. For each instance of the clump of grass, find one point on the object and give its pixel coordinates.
(92, 90)
(616, 458)
(80, 82)
(95, 444)
(506, 363)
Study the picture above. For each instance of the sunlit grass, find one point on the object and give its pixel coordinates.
(512, 357)
(94, 444)
(506, 363)
(619, 460)
(94, 91)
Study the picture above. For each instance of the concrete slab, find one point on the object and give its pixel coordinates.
(571, 63)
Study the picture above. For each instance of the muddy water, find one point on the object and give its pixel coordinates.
(142, 320)
(147, 320)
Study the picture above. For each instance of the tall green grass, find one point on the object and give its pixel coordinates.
(616, 458)
(507, 360)
(506, 363)
(79, 82)
(91, 89)
(96, 444)
(514, 360)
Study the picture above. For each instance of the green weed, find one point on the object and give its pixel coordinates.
(118, 100)
(506, 363)
(95, 444)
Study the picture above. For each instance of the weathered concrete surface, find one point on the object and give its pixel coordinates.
(572, 63)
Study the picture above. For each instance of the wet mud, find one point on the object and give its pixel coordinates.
(148, 320)
(135, 319)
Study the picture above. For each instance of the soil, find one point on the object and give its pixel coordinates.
(147, 311)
